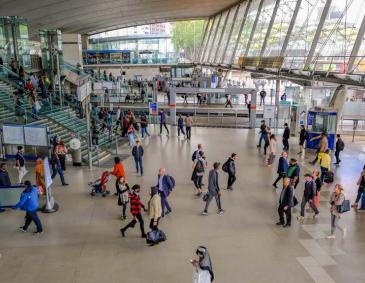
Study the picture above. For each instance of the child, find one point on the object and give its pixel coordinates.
(131, 135)
(39, 176)
(123, 199)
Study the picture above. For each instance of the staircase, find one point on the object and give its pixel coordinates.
(62, 122)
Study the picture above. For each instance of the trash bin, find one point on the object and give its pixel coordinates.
(75, 146)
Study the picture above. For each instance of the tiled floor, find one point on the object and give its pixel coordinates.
(82, 242)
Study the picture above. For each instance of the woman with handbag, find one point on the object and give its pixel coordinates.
(154, 208)
(361, 189)
(61, 152)
(336, 200)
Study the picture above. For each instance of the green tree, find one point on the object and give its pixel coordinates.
(187, 37)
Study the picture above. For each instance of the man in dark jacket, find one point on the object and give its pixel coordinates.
(282, 167)
(262, 132)
(165, 186)
(231, 170)
(29, 203)
(286, 136)
(308, 196)
(137, 153)
(285, 203)
(340, 146)
(4, 176)
(213, 189)
(303, 135)
(180, 126)
(163, 122)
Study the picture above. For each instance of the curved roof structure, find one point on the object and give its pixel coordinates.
(93, 16)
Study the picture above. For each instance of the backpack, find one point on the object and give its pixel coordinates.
(172, 181)
(225, 166)
(199, 167)
(341, 145)
(193, 157)
(291, 170)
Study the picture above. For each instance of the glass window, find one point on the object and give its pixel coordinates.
(303, 33)
(338, 36)
(210, 39)
(226, 33)
(261, 28)
(280, 28)
(235, 33)
(218, 36)
(210, 22)
(247, 29)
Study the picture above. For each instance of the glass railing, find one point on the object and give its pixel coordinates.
(139, 61)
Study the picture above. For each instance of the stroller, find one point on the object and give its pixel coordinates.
(99, 186)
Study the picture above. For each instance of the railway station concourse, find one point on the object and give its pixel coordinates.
(83, 82)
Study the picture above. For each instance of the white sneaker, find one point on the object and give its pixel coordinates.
(344, 232)
(204, 213)
(330, 237)
(300, 218)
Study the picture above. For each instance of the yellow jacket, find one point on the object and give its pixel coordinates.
(154, 207)
(324, 160)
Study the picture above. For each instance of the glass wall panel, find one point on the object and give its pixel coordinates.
(210, 39)
(205, 39)
(261, 28)
(218, 36)
(338, 36)
(303, 33)
(247, 28)
(280, 28)
(225, 35)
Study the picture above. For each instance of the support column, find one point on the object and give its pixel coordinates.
(356, 48)
(172, 106)
(253, 109)
(317, 34)
(72, 48)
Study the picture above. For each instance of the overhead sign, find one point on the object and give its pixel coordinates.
(13, 134)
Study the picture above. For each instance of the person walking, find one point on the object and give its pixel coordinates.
(137, 153)
(154, 208)
(188, 125)
(272, 148)
(57, 169)
(322, 145)
(163, 122)
(231, 170)
(361, 188)
(282, 168)
(285, 203)
(337, 198)
(262, 97)
(123, 196)
(213, 189)
(286, 136)
(267, 140)
(20, 164)
(203, 270)
(144, 126)
(293, 172)
(324, 160)
(136, 211)
(61, 152)
(340, 146)
(262, 132)
(199, 166)
(180, 126)
(118, 172)
(308, 196)
(317, 180)
(4, 176)
(165, 185)
(95, 135)
(303, 135)
(228, 101)
(29, 203)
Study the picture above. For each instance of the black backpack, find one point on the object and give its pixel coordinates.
(225, 166)
(341, 145)
(199, 167)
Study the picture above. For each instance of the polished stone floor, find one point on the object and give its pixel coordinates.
(82, 242)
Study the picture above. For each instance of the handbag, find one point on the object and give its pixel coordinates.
(344, 207)
(206, 196)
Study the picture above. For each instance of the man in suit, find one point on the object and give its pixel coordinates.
(286, 136)
(285, 203)
(213, 189)
(165, 186)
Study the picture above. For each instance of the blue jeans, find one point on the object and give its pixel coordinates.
(32, 216)
(164, 203)
(145, 131)
(262, 137)
(139, 165)
(131, 139)
(323, 173)
(58, 169)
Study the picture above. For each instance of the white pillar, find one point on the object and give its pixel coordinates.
(72, 48)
